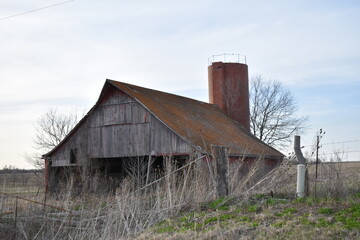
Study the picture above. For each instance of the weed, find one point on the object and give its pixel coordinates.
(260, 196)
(270, 201)
(286, 212)
(321, 222)
(350, 217)
(210, 220)
(255, 224)
(310, 201)
(219, 204)
(225, 217)
(326, 211)
(273, 201)
(243, 219)
(356, 195)
(161, 223)
(278, 224)
(188, 226)
(299, 200)
(305, 220)
(166, 229)
(186, 217)
(254, 208)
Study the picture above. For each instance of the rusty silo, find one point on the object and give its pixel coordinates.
(229, 89)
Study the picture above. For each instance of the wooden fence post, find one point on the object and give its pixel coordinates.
(15, 216)
(220, 167)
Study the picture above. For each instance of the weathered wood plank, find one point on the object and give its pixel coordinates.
(120, 127)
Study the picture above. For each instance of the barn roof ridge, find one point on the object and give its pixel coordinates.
(132, 87)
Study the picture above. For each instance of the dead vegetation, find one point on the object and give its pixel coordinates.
(182, 205)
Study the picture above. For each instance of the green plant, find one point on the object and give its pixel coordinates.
(270, 201)
(219, 204)
(254, 208)
(188, 226)
(286, 212)
(255, 224)
(243, 219)
(326, 211)
(308, 201)
(278, 224)
(273, 201)
(77, 207)
(304, 220)
(210, 220)
(165, 229)
(356, 195)
(226, 216)
(186, 217)
(350, 217)
(321, 222)
(259, 196)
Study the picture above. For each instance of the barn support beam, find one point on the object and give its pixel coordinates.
(220, 170)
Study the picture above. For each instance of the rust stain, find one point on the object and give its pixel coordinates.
(201, 123)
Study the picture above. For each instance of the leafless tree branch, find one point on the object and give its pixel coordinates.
(51, 128)
(273, 117)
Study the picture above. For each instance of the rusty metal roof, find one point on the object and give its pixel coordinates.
(202, 124)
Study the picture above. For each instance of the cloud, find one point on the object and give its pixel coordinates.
(61, 56)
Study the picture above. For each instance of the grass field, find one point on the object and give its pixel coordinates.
(264, 217)
(185, 208)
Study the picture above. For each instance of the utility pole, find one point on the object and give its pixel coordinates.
(317, 156)
(319, 135)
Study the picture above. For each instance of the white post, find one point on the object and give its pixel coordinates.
(300, 186)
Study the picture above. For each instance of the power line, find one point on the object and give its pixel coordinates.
(345, 152)
(334, 153)
(35, 10)
(341, 142)
(350, 141)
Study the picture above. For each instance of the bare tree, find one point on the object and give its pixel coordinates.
(273, 117)
(51, 128)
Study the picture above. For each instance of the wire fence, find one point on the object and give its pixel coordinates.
(127, 211)
(18, 211)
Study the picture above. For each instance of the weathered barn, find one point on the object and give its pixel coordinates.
(131, 122)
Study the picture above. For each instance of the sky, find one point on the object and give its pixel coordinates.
(60, 57)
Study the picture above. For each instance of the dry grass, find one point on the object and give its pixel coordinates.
(134, 212)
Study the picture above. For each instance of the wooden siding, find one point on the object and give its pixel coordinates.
(119, 126)
(62, 156)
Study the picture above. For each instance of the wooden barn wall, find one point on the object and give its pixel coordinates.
(77, 143)
(120, 127)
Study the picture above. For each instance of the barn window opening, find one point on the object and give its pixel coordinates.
(73, 152)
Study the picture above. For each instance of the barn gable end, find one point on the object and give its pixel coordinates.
(117, 126)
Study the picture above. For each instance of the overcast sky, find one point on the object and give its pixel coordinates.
(60, 57)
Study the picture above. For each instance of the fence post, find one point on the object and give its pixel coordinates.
(15, 220)
(302, 176)
(220, 166)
